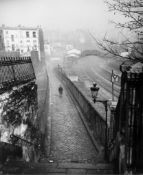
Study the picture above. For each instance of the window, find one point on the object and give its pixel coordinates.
(35, 47)
(13, 47)
(27, 34)
(28, 49)
(7, 42)
(12, 37)
(34, 34)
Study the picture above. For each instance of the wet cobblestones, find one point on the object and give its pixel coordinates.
(69, 138)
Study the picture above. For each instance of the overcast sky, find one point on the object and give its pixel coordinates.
(57, 14)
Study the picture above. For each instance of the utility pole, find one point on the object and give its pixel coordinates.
(112, 80)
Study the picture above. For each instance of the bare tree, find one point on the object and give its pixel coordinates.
(132, 10)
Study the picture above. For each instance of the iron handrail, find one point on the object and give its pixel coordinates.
(15, 71)
(23, 140)
(6, 61)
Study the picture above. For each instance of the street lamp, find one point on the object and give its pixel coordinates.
(94, 92)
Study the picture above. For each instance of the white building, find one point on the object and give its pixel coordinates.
(20, 39)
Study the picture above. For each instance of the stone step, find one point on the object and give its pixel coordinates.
(20, 167)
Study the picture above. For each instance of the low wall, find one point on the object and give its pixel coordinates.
(95, 121)
(9, 150)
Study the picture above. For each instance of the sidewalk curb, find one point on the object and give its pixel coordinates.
(47, 114)
(48, 120)
(44, 109)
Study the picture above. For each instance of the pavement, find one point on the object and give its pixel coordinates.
(57, 168)
(68, 140)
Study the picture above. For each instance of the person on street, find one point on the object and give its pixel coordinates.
(60, 90)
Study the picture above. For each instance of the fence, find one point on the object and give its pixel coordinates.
(95, 121)
(15, 71)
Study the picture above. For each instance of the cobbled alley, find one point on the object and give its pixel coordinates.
(69, 140)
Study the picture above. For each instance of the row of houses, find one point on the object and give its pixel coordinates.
(21, 39)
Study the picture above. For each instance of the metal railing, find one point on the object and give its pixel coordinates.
(16, 140)
(15, 71)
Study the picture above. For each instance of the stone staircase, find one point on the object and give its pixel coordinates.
(56, 168)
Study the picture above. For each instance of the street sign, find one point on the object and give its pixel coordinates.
(73, 77)
(114, 77)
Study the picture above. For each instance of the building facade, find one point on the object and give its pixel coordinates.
(21, 39)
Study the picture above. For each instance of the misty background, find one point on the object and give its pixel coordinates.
(60, 18)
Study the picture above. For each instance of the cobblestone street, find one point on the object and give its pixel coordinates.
(70, 141)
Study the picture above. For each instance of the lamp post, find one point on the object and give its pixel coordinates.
(94, 92)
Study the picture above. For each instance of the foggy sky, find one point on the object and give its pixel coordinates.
(57, 14)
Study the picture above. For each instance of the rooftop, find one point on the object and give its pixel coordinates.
(19, 28)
